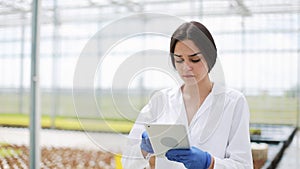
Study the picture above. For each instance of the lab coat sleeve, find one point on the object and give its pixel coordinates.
(132, 157)
(238, 152)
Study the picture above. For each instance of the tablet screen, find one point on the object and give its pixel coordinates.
(164, 137)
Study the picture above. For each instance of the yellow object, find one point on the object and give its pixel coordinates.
(118, 162)
(255, 131)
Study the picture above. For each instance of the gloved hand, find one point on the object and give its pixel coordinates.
(145, 144)
(192, 158)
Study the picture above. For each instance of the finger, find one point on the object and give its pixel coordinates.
(184, 158)
(174, 158)
(144, 141)
(171, 155)
(145, 134)
(180, 152)
(147, 141)
(171, 158)
(187, 164)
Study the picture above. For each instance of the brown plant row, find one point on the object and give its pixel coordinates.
(17, 157)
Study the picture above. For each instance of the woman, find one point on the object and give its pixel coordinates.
(217, 118)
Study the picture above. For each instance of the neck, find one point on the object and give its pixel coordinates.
(200, 89)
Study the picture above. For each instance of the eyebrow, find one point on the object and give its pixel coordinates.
(192, 55)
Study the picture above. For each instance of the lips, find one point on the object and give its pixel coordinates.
(188, 76)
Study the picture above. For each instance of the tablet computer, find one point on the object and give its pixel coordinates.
(164, 137)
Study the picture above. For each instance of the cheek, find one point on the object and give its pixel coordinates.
(203, 66)
(178, 66)
(200, 69)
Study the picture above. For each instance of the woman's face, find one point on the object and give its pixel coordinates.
(190, 62)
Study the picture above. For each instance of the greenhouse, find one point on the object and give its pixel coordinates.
(77, 79)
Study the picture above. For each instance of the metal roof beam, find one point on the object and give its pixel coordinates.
(241, 7)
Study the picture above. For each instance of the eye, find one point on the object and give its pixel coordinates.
(196, 60)
(179, 60)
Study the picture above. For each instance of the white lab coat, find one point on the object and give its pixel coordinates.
(220, 127)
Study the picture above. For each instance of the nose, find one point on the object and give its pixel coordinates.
(187, 66)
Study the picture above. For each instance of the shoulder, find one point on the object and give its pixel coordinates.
(231, 95)
(236, 99)
(236, 103)
(162, 97)
(165, 93)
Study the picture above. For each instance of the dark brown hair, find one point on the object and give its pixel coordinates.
(201, 37)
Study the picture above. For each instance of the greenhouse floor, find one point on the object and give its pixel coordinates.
(62, 138)
(113, 142)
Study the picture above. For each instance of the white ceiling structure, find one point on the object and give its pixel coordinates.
(16, 12)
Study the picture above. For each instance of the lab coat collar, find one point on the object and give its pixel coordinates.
(216, 112)
(177, 94)
(218, 89)
(217, 99)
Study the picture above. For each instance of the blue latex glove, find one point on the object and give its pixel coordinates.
(192, 158)
(145, 144)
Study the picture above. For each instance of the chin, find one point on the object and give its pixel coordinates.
(190, 81)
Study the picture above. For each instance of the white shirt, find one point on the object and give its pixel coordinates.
(220, 127)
